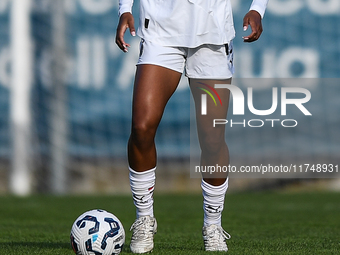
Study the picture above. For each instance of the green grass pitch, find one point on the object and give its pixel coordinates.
(260, 223)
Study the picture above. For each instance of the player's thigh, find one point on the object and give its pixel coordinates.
(208, 65)
(210, 104)
(153, 87)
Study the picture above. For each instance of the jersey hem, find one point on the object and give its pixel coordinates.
(177, 40)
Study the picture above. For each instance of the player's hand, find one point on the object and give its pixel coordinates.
(126, 21)
(252, 18)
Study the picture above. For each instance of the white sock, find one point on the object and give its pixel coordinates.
(213, 202)
(142, 186)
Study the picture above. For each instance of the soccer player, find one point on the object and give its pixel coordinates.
(195, 35)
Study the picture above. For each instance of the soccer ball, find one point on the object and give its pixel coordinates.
(97, 232)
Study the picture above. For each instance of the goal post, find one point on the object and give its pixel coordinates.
(21, 82)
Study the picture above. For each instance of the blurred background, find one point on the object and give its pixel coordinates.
(66, 88)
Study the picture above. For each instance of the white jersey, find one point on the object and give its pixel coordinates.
(186, 23)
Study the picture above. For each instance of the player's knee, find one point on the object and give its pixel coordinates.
(212, 143)
(143, 133)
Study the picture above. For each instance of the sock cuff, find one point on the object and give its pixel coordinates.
(144, 172)
(215, 190)
(145, 175)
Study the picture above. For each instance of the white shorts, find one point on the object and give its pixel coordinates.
(204, 62)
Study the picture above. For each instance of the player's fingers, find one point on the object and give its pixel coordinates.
(256, 28)
(120, 42)
(131, 25)
(125, 21)
(252, 37)
(120, 37)
(255, 34)
(245, 23)
(253, 19)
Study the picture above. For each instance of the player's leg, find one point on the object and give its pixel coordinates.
(153, 87)
(158, 74)
(214, 150)
(157, 77)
